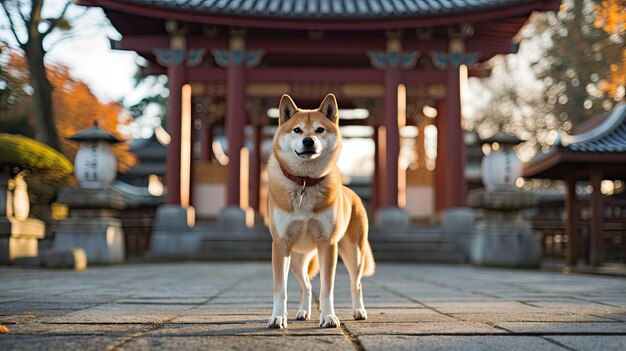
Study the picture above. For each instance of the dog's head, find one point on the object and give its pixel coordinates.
(308, 142)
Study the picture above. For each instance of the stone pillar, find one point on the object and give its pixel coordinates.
(596, 240)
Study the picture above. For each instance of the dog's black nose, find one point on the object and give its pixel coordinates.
(308, 142)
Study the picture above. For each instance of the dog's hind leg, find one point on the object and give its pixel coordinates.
(300, 268)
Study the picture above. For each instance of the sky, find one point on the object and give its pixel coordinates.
(86, 51)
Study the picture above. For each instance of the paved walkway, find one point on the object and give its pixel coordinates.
(226, 307)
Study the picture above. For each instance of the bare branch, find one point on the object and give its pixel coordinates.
(19, 6)
(53, 22)
(11, 23)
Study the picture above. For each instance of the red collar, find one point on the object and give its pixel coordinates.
(302, 180)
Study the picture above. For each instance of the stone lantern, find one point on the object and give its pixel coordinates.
(95, 166)
(18, 232)
(503, 237)
(501, 167)
(92, 223)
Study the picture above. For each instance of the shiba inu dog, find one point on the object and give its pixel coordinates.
(313, 217)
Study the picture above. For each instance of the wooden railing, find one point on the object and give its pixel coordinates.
(555, 241)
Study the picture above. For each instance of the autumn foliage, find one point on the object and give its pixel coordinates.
(611, 17)
(75, 107)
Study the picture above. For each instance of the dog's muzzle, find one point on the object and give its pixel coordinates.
(308, 148)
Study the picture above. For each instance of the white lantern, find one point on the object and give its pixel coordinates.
(21, 202)
(95, 166)
(500, 169)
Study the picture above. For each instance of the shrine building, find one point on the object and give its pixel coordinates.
(396, 67)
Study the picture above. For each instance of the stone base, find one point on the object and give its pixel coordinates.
(392, 217)
(234, 218)
(175, 217)
(19, 238)
(102, 238)
(504, 198)
(512, 250)
(457, 220)
(174, 244)
(63, 258)
(173, 236)
(77, 198)
(458, 225)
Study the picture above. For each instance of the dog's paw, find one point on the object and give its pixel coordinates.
(303, 315)
(360, 314)
(329, 321)
(277, 322)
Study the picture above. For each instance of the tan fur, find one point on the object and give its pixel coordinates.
(314, 267)
(331, 221)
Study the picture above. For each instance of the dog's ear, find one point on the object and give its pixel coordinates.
(286, 109)
(329, 108)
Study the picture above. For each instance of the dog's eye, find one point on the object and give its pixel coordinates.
(297, 130)
(319, 130)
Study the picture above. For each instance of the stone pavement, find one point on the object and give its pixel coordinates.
(226, 306)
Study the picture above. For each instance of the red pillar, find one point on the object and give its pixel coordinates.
(235, 123)
(374, 199)
(176, 79)
(454, 157)
(596, 240)
(393, 77)
(206, 143)
(255, 169)
(440, 165)
(381, 164)
(573, 253)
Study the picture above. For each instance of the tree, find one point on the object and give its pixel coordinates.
(28, 18)
(511, 100)
(611, 17)
(573, 66)
(74, 105)
(567, 70)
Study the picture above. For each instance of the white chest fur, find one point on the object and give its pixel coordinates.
(284, 220)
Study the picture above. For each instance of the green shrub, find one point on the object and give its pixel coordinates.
(48, 168)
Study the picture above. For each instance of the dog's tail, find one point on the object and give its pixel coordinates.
(370, 265)
(314, 267)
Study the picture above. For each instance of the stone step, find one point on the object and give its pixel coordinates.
(420, 256)
(413, 246)
(392, 246)
(247, 254)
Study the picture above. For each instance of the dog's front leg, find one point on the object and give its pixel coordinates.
(328, 263)
(280, 265)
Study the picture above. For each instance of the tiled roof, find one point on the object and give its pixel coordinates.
(608, 136)
(330, 9)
